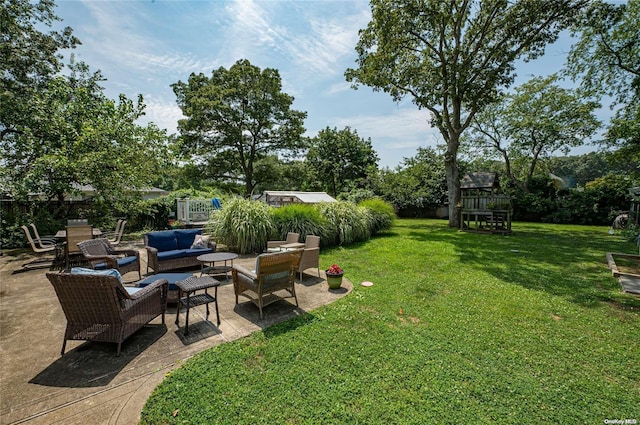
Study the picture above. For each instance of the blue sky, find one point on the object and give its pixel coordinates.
(142, 47)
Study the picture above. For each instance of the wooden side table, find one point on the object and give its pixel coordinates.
(189, 287)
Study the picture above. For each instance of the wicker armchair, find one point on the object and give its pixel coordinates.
(102, 255)
(98, 308)
(274, 272)
(274, 246)
(310, 255)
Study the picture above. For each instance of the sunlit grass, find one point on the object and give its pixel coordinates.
(458, 328)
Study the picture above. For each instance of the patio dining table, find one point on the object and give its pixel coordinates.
(62, 234)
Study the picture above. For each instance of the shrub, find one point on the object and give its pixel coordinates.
(242, 225)
(348, 223)
(299, 218)
(381, 214)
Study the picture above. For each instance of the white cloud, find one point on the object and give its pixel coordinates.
(165, 114)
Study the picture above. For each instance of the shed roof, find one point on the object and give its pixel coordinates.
(304, 197)
(479, 180)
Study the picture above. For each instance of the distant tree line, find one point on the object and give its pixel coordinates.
(240, 135)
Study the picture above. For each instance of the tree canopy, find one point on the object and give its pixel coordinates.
(606, 59)
(536, 121)
(341, 159)
(453, 57)
(59, 132)
(234, 119)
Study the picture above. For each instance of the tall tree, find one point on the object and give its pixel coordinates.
(453, 57)
(606, 59)
(236, 118)
(77, 136)
(341, 158)
(531, 124)
(29, 58)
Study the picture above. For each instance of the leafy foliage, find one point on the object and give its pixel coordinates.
(417, 185)
(340, 158)
(453, 58)
(528, 126)
(605, 60)
(236, 118)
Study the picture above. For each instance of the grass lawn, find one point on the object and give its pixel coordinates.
(458, 328)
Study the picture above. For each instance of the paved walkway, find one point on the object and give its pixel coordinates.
(89, 384)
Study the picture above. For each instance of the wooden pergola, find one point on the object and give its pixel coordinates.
(483, 208)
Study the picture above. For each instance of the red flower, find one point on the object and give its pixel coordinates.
(334, 269)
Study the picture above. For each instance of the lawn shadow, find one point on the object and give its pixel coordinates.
(564, 261)
(95, 364)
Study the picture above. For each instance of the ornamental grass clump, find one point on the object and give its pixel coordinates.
(348, 222)
(303, 219)
(243, 225)
(381, 214)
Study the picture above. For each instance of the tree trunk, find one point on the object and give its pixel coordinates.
(453, 187)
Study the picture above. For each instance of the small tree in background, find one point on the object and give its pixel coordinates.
(341, 159)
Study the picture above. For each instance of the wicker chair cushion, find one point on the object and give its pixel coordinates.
(106, 272)
(121, 263)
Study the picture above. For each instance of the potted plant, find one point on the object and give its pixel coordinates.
(334, 276)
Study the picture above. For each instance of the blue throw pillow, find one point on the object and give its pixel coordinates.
(107, 272)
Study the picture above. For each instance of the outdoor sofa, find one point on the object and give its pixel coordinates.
(176, 249)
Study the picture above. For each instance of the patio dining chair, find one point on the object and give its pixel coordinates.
(101, 255)
(310, 255)
(42, 241)
(75, 234)
(45, 245)
(274, 246)
(115, 236)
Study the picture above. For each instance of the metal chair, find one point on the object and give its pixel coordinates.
(45, 246)
(115, 236)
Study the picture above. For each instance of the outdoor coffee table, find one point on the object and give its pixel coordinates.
(208, 263)
(189, 287)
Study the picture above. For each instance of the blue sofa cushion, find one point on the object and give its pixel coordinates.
(186, 237)
(163, 240)
(170, 255)
(121, 262)
(196, 252)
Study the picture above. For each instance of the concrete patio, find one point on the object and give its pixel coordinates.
(89, 384)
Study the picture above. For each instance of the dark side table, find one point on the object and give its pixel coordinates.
(188, 288)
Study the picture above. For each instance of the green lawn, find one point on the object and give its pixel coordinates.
(458, 328)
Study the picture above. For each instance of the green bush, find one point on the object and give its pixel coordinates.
(348, 223)
(243, 225)
(299, 218)
(381, 213)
